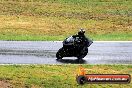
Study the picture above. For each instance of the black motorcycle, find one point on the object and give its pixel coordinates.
(74, 47)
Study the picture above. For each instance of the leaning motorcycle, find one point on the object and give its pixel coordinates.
(72, 48)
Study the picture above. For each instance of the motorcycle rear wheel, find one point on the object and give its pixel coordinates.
(83, 53)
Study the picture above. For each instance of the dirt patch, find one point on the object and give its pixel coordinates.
(4, 84)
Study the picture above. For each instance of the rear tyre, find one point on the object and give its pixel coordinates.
(83, 53)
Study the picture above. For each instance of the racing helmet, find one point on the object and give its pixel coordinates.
(81, 31)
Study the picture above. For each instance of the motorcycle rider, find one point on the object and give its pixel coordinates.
(81, 39)
(81, 42)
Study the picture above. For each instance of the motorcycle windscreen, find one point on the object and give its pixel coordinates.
(69, 41)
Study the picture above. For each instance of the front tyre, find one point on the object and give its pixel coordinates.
(59, 54)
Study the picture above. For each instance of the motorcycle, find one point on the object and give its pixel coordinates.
(74, 47)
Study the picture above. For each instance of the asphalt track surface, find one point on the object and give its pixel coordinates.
(43, 52)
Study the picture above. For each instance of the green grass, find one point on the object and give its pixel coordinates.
(113, 37)
(105, 37)
(30, 38)
(58, 76)
(47, 19)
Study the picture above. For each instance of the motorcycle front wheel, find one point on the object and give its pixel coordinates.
(59, 54)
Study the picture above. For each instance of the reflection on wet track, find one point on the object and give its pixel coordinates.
(43, 52)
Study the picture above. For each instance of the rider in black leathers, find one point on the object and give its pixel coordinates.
(81, 38)
(81, 41)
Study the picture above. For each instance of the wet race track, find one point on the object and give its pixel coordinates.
(43, 52)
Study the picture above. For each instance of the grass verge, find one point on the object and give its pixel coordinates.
(58, 76)
(55, 19)
(104, 37)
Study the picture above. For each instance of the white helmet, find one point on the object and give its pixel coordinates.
(81, 31)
